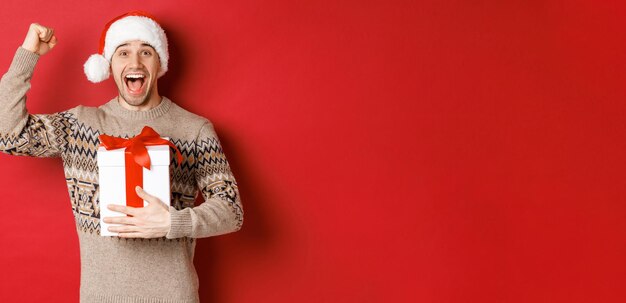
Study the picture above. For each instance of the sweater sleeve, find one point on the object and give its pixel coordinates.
(22, 133)
(221, 212)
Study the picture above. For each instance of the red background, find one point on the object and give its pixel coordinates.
(386, 151)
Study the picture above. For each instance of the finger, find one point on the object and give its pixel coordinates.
(129, 210)
(53, 42)
(42, 31)
(36, 28)
(121, 220)
(48, 35)
(132, 235)
(123, 229)
(144, 195)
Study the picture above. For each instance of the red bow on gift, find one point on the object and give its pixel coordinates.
(136, 157)
(136, 146)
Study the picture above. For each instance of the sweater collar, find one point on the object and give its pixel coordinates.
(116, 109)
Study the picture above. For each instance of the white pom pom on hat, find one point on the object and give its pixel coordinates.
(135, 25)
(97, 68)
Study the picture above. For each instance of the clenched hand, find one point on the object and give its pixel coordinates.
(39, 39)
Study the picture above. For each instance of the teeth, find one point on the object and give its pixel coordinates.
(135, 76)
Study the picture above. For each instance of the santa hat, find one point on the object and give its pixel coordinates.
(136, 25)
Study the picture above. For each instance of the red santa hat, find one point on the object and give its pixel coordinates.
(136, 25)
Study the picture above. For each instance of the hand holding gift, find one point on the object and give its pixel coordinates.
(151, 221)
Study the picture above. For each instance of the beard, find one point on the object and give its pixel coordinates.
(134, 100)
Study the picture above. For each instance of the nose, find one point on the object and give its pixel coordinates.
(135, 60)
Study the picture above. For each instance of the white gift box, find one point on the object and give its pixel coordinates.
(112, 180)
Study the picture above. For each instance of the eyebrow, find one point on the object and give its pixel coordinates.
(126, 44)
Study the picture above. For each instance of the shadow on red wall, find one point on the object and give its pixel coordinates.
(258, 237)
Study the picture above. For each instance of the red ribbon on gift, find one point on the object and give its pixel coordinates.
(136, 158)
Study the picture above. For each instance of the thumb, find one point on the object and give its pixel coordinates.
(53, 41)
(146, 196)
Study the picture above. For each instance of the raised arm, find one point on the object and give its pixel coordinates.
(22, 133)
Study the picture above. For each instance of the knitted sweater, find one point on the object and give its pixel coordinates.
(117, 269)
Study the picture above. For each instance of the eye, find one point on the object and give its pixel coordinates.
(146, 53)
(122, 53)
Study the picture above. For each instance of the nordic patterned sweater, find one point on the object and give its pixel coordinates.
(116, 269)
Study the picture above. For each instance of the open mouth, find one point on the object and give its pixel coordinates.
(135, 83)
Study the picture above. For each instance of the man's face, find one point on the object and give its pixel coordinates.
(134, 66)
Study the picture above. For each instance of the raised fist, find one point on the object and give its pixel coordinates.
(39, 39)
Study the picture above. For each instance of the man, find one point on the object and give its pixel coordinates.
(133, 48)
